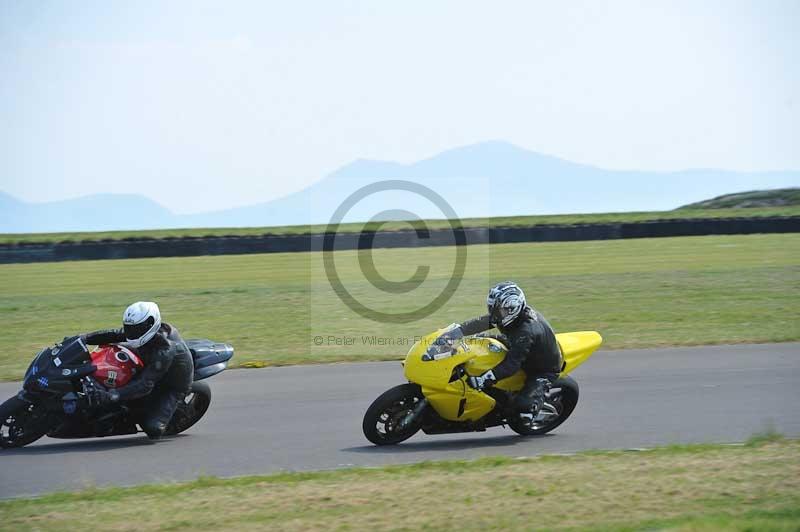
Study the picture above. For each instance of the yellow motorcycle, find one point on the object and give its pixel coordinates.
(438, 400)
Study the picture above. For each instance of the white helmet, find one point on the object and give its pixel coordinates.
(505, 303)
(141, 322)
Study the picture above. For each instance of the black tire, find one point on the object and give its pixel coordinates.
(191, 409)
(22, 423)
(383, 415)
(564, 402)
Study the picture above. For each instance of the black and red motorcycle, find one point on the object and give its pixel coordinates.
(58, 393)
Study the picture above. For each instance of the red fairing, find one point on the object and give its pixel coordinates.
(116, 365)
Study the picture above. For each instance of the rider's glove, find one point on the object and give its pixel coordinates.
(102, 397)
(482, 381)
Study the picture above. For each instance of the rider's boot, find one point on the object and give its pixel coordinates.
(531, 398)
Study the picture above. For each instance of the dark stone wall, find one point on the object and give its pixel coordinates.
(233, 245)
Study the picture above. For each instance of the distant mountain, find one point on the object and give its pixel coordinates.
(755, 198)
(99, 212)
(485, 179)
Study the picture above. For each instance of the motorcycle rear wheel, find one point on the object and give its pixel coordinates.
(21, 423)
(563, 399)
(191, 409)
(382, 418)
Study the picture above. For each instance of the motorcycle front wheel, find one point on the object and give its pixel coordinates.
(559, 404)
(382, 420)
(22, 423)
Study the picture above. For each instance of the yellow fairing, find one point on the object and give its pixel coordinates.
(577, 347)
(491, 353)
(459, 402)
(455, 401)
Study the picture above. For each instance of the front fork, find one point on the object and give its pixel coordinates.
(414, 414)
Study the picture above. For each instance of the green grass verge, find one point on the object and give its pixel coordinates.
(637, 293)
(692, 487)
(508, 221)
(754, 199)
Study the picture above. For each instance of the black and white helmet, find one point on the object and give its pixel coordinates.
(141, 322)
(505, 303)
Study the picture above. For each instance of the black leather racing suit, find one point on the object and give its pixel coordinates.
(166, 379)
(532, 347)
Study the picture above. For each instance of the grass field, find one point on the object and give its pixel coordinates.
(510, 221)
(648, 292)
(698, 487)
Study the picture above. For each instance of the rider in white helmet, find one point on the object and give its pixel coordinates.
(531, 342)
(168, 367)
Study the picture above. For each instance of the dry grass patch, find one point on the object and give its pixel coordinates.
(688, 488)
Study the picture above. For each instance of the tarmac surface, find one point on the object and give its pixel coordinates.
(309, 417)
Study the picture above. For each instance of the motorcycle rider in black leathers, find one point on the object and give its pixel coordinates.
(168, 366)
(531, 342)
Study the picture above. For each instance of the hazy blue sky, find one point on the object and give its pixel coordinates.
(230, 103)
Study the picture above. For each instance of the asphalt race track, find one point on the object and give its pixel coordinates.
(309, 417)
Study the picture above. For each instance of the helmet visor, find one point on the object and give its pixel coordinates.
(134, 332)
(500, 315)
(507, 310)
(504, 312)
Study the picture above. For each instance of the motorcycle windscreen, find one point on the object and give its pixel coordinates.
(54, 368)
